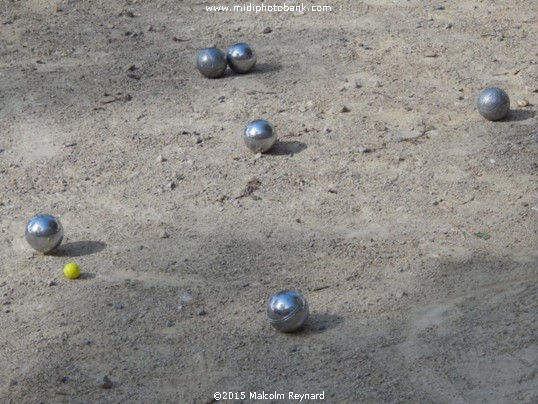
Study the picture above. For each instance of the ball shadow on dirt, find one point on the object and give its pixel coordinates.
(262, 68)
(519, 115)
(287, 148)
(79, 248)
(318, 323)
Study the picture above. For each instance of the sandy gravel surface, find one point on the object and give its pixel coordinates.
(408, 221)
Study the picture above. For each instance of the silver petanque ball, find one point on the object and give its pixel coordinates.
(211, 62)
(44, 233)
(241, 58)
(287, 311)
(259, 136)
(493, 103)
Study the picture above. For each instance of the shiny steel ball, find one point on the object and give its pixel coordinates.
(211, 62)
(241, 58)
(493, 104)
(259, 136)
(287, 311)
(44, 233)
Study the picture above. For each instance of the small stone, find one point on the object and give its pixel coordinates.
(344, 109)
(164, 234)
(52, 282)
(105, 382)
(202, 312)
(171, 185)
(400, 293)
(68, 144)
(267, 30)
(127, 13)
(160, 159)
(13, 382)
(363, 149)
(523, 103)
(186, 299)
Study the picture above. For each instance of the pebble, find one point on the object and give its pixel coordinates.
(267, 30)
(164, 235)
(104, 382)
(186, 299)
(344, 109)
(51, 283)
(202, 312)
(160, 159)
(171, 185)
(523, 103)
(400, 293)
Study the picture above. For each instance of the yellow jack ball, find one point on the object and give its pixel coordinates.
(72, 270)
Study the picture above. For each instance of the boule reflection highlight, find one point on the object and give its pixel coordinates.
(493, 104)
(287, 311)
(211, 62)
(259, 136)
(241, 58)
(44, 233)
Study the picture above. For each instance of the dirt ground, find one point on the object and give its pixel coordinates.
(408, 222)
